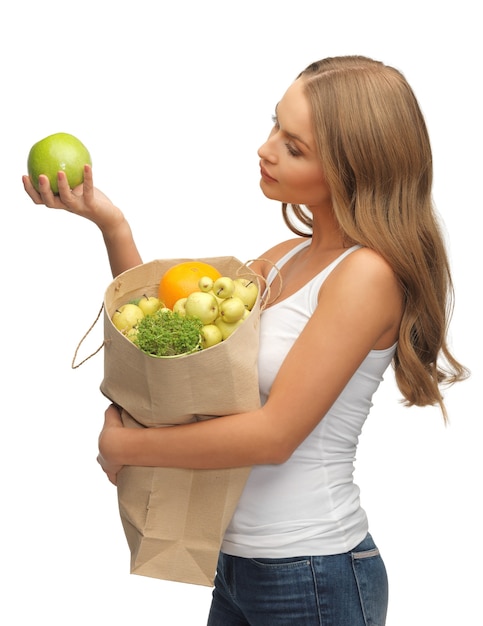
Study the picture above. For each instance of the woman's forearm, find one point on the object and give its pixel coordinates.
(121, 248)
(231, 441)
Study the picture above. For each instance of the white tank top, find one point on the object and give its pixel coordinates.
(308, 505)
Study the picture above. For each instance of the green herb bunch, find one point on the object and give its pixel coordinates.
(167, 333)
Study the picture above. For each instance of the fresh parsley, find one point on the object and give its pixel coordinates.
(167, 333)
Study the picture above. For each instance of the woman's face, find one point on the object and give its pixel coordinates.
(290, 167)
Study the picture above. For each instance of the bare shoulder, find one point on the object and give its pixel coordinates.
(366, 266)
(365, 292)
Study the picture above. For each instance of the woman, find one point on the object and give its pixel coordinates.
(365, 283)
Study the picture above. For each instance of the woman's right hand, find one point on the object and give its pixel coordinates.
(84, 200)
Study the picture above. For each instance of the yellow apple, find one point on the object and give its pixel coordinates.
(226, 328)
(126, 317)
(205, 283)
(202, 305)
(232, 309)
(179, 307)
(132, 333)
(210, 335)
(149, 304)
(223, 287)
(247, 290)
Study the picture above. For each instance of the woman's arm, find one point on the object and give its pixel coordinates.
(359, 306)
(88, 202)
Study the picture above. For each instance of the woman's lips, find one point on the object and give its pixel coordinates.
(266, 176)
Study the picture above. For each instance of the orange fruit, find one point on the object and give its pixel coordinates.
(182, 279)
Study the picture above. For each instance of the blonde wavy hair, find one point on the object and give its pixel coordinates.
(374, 145)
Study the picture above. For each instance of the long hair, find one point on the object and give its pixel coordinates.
(374, 146)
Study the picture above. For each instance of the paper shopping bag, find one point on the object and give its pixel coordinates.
(174, 520)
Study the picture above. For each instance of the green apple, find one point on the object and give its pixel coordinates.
(210, 335)
(149, 304)
(205, 283)
(126, 317)
(226, 328)
(246, 290)
(202, 305)
(55, 153)
(232, 309)
(223, 287)
(180, 307)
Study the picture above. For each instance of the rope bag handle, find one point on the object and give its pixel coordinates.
(268, 291)
(74, 365)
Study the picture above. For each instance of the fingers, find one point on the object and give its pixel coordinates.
(67, 198)
(113, 415)
(110, 473)
(65, 192)
(44, 194)
(112, 419)
(85, 189)
(30, 189)
(112, 478)
(88, 185)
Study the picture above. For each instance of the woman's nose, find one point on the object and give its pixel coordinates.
(265, 151)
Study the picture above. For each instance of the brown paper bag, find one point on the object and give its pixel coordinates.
(174, 520)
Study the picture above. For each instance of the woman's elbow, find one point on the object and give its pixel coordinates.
(275, 445)
(277, 451)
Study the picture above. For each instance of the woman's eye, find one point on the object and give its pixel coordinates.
(292, 150)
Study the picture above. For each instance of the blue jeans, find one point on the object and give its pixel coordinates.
(339, 590)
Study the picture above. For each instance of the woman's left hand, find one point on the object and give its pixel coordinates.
(112, 422)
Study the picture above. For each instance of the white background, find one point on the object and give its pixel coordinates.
(172, 100)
